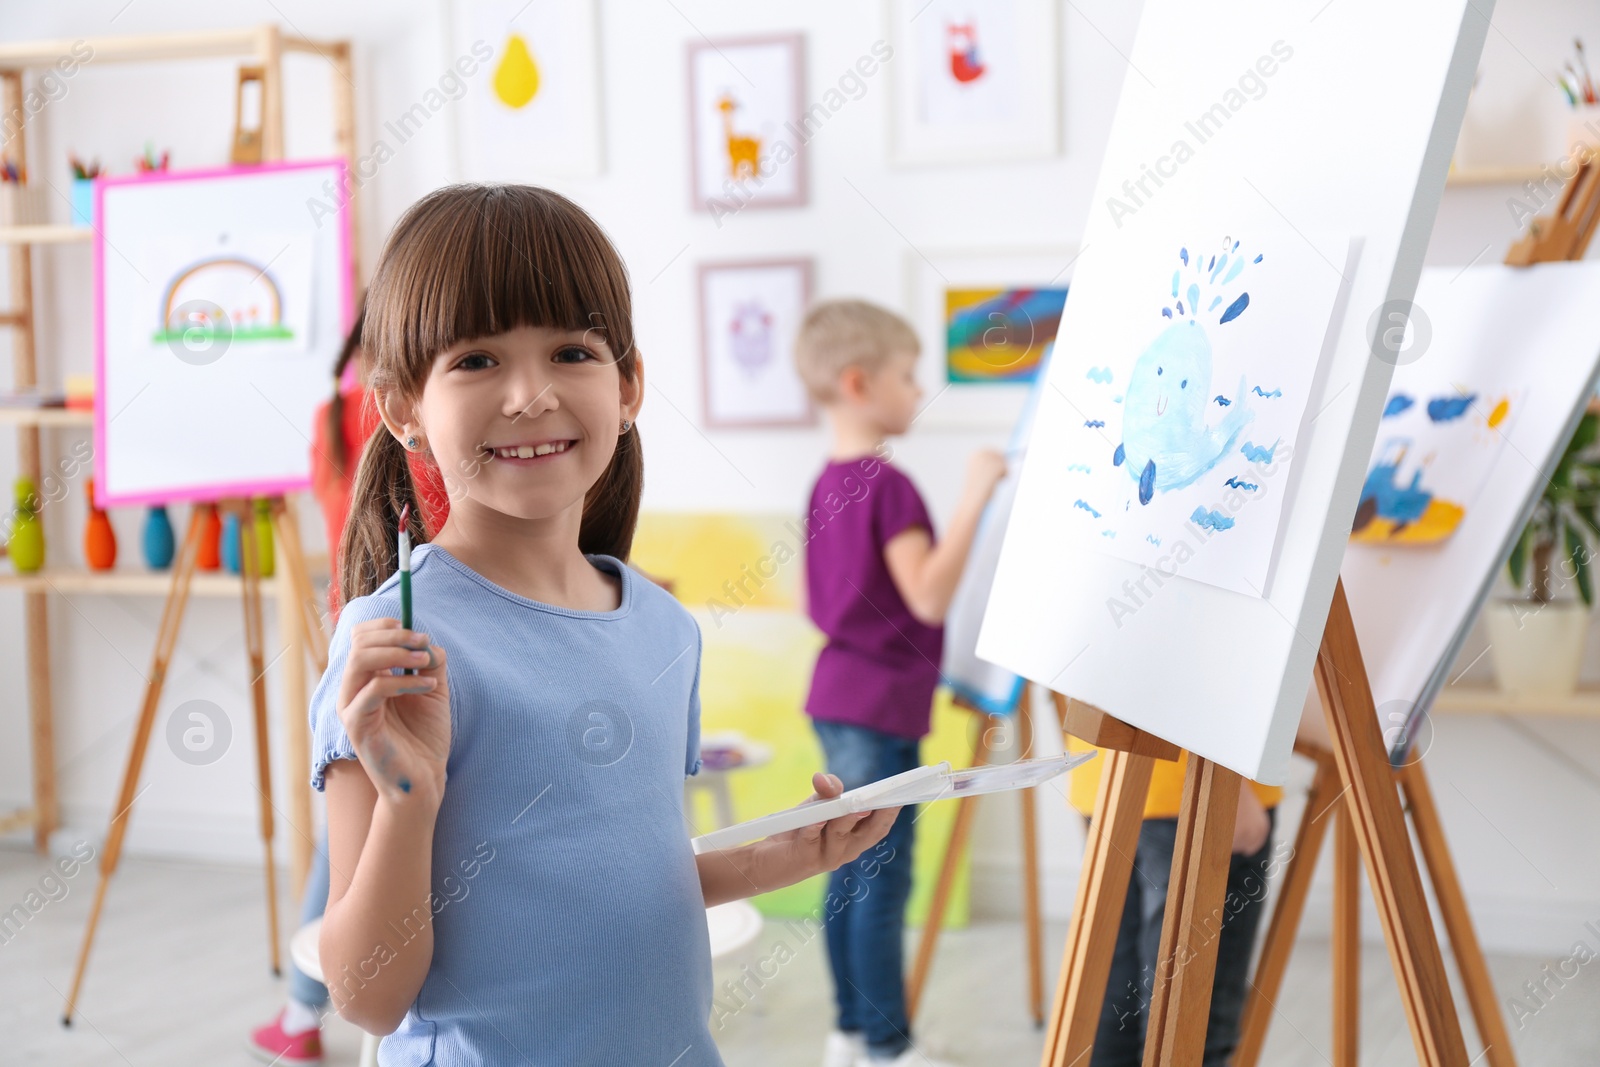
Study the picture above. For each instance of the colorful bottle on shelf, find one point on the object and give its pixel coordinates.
(26, 543)
(158, 539)
(264, 536)
(99, 539)
(230, 542)
(209, 557)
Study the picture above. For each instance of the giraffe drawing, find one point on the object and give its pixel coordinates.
(744, 152)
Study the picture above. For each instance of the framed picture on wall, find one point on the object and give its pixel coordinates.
(749, 315)
(746, 129)
(975, 83)
(985, 319)
(531, 105)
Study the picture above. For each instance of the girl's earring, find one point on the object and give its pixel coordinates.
(411, 444)
(625, 425)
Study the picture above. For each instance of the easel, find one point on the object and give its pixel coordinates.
(1563, 235)
(1181, 998)
(956, 848)
(294, 571)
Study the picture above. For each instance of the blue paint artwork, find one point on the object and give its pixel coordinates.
(1398, 404)
(1211, 520)
(1234, 483)
(1093, 424)
(1258, 454)
(1268, 396)
(1222, 400)
(1085, 507)
(1235, 309)
(1448, 408)
(1166, 443)
(1084, 467)
(1101, 375)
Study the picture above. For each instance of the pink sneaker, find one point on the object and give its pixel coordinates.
(270, 1044)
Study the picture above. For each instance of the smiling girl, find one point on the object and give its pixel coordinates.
(511, 880)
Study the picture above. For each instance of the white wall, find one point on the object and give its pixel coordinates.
(1509, 802)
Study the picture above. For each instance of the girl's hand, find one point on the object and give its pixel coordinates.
(830, 845)
(398, 723)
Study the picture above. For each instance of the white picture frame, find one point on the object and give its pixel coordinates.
(750, 312)
(930, 275)
(746, 137)
(513, 127)
(974, 83)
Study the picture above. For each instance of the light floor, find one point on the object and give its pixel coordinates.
(179, 975)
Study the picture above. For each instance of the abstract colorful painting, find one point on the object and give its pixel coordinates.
(1434, 453)
(1185, 419)
(999, 335)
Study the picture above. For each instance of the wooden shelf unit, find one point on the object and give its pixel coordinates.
(260, 46)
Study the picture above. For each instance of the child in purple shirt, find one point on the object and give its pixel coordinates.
(878, 585)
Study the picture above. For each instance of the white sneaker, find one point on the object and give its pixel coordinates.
(909, 1058)
(843, 1050)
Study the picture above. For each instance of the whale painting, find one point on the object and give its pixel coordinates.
(1168, 438)
(1182, 423)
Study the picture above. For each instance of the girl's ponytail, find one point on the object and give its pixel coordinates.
(611, 507)
(369, 554)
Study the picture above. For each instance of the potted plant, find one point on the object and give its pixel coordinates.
(1537, 639)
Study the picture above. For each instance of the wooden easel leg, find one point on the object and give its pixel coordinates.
(111, 852)
(1180, 1004)
(1457, 920)
(1097, 912)
(1346, 941)
(46, 807)
(250, 575)
(1032, 919)
(1380, 830)
(966, 808)
(1278, 942)
(298, 634)
(299, 577)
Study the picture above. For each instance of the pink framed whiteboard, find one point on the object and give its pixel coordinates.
(221, 299)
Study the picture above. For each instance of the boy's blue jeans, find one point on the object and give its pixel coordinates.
(866, 933)
(1119, 1039)
(303, 987)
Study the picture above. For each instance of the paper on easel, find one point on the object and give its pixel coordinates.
(921, 785)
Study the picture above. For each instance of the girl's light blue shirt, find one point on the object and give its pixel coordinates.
(569, 926)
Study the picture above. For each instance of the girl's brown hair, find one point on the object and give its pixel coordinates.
(470, 261)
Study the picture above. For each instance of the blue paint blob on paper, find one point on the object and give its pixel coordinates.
(1085, 507)
(1084, 467)
(1099, 374)
(1397, 404)
(1221, 400)
(1093, 424)
(1153, 539)
(1450, 408)
(1258, 454)
(1268, 396)
(1235, 309)
(1183, 254)
(1211, 520)
(1234, 483)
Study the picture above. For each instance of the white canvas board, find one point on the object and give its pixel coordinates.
(221, 304)
(1238, 103)
(1525, 337)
